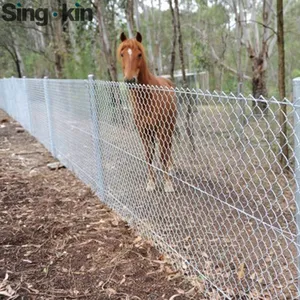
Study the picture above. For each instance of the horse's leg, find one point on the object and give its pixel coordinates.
(171, 162)
(148, 138)
(165, 149)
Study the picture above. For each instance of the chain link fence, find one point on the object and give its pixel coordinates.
(232, 220)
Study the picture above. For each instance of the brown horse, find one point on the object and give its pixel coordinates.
(154, 110)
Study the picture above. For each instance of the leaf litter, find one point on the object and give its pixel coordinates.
(58, 241)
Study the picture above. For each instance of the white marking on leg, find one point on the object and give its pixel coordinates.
(150, 185)
(129, 51)
(170, 166)
(168, 187)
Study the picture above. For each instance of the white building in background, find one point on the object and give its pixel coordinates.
(196, 80)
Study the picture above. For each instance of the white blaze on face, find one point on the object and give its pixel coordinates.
(129, 52)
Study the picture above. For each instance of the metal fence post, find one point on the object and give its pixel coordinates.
(12, 100)
(241, 114)
(49, 116)
(96, 136)
(296, 96)
(28, 105)
(3, 95)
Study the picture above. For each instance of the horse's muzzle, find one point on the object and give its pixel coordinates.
(132, 81)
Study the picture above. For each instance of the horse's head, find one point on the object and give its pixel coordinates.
(131, 53)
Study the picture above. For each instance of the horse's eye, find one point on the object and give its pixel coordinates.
(122, 54)
(140, 55)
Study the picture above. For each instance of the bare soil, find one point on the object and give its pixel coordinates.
(58, 241)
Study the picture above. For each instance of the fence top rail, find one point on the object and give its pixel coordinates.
(183, 92)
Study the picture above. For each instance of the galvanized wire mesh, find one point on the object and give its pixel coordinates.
(232, 218)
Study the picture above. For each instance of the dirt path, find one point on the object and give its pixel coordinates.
(57, 241)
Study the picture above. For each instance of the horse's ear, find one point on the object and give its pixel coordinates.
(138, 37)
(123, 37)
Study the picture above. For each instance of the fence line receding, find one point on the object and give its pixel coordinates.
(232, 220)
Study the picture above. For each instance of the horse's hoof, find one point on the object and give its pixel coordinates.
(168, 187)
(150, 186)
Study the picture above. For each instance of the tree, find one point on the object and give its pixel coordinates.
(211, 42)
(129, 17)
(174, 40)
(105, 43)
(180, 43)
(137, 15)
(149, 37)
(11, 45)
(284, 154)
(189, 112)
(259, 38)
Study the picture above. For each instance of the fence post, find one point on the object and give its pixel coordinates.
(296, 100)
(28, 105)
(49, 116)
(13, 103)
(241, 114)
(96, 136)
(4, 95)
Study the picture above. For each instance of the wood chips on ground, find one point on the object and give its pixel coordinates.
(57, 241)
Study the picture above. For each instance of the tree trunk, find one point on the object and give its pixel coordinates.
(159, 59)
(15, 48)
(257, 43)
(57, 39)
(137, 15)
(174, 40)
(180, 44)
(283, 140)
(188, 98)
(17, 62)
(239, 50)
(259, 85)
(73, 43)
(149, 38)
(13, 54)
(129, 17)
(58, 64)
(110, 59)
(158, 56)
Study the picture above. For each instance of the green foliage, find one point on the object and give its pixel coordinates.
(295, 73)
(216, 15)
(229, 84)
(7, 67)
(200, 56)
(79, 65)
(204, 24)
(36, 65)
